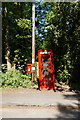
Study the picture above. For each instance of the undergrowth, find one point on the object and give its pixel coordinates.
(14, 79)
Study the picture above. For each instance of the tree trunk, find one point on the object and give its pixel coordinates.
(7, 41)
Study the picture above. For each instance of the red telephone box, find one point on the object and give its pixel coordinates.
(46, 69)
(29, 68)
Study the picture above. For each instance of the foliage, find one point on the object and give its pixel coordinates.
(63, 76)
(63, 37)
(57, 28)
(36, 72)
(20, 34)
(13, 78)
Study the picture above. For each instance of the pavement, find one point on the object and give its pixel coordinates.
(32, 103)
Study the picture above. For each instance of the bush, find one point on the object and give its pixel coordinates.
(13, 78)
(63, 76)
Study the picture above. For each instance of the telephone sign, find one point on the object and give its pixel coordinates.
(46, 69)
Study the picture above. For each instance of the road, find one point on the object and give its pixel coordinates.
(31, 103)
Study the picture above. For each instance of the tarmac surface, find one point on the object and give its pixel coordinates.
(32, 103)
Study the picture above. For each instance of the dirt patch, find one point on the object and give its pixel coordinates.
(41, 107)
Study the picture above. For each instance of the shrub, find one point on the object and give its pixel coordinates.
(13, 78)
(63, 76)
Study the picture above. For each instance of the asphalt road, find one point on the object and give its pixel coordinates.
(31, 103)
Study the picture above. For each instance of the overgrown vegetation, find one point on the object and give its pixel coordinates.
(14, 79)
(57, 28)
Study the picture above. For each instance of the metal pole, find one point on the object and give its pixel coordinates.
(33, 43)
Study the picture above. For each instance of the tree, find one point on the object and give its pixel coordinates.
(57, 28)
(62, 24)
(19, 35)
(7, 40)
